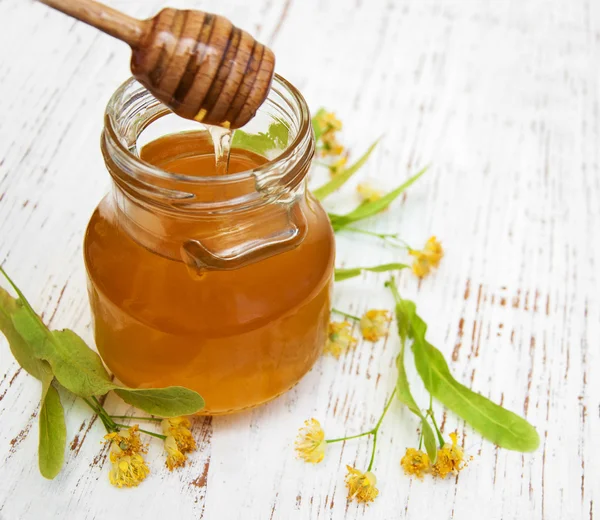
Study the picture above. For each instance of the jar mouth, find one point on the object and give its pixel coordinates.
(132, 109)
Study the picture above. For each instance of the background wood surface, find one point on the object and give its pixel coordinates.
(502, 99)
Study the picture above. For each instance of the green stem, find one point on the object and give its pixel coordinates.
(329, 441)
(391, 283)
(157, 435)
(157, 419)
(421, 439)
(437, 430)
(107, 425)
(373, 452)
(384, 411)
(386, 237)
(345, 314)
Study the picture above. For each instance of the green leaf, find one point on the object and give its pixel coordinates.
(77, 367)
(351, 272)
(405, 396)
(166, 402)
(342, 177)
(21, 350)
(276, 138)
(53, 431)
(315, 125)
(368, 209)
(501, 426)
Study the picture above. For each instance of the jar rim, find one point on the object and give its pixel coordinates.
(280, 86)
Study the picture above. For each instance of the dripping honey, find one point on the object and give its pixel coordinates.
(239, 337)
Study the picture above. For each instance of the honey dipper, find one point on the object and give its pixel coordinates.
(196, 63)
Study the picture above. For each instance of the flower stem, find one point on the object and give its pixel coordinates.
(106, 421)
(373, 451)
(329, 441)
(391, 283)
(157, 435)
(345, 314)
(437, 430)
(157, 419)
(389, 238)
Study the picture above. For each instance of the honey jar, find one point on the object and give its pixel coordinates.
(217, 282)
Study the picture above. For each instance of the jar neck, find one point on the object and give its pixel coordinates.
(211, 222)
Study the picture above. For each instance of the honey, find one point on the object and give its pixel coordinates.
(239, 336)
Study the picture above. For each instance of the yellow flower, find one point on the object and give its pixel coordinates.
(337, 166)
(311, 443)
(368, 193)
(450, 459)
(339, 338)
(361, 486)
(427, 258)
(175, 458)
(375, 324)
(128, 465)
(128, 470)
(331, 146)
(179, 441)
(126, 442)
(415, 462)
(327, 122)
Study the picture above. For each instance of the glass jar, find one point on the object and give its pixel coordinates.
(221, 284)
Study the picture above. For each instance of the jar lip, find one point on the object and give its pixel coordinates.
(304, 133)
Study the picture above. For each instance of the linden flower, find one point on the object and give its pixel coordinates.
(339, 338)
(368, 193)
(331, 146)
(427, 258)
(126, 442)
(450, 459)
(179, 441)
(415, 462)
(128, 465)
(361, 486)
(327, 122)
(128, 471)
(375, 324)
(310, 444)
(337, 166)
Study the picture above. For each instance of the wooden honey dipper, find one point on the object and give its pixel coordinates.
(196, 63)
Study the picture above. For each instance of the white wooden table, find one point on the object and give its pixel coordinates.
(502, 99)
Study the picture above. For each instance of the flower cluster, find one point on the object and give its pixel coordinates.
(128, 465)
(126, 450)
(427, 258)
(178, 442)
(374, 325)
(328, 126)
(450, 460)
(311, 444)
(368, 192)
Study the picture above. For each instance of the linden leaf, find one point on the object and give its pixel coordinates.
(53, 431)
(351, 272)
(77, 367)
(165, 402)
(501, 426)
(21, 349)
(370, 208)
(276, 138)
(344, 176)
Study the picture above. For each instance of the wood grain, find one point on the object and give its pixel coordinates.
(501, 98)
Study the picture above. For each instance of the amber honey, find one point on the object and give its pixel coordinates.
(239, 337)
